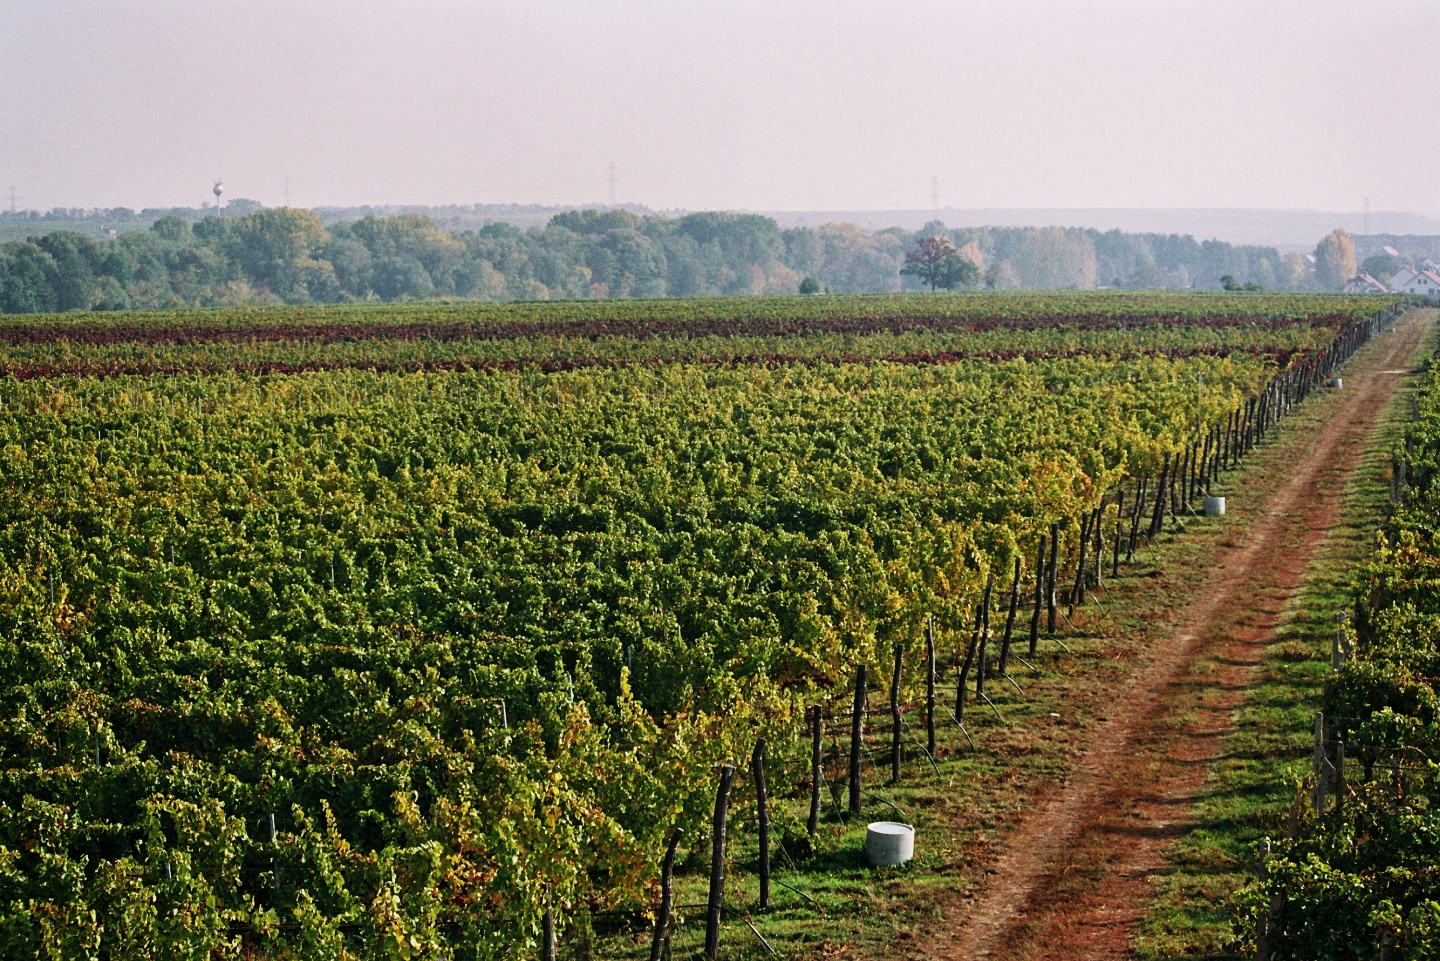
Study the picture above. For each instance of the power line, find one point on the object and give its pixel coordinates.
(612, 183)
(934, 193)
(12, 200)
(287, 191)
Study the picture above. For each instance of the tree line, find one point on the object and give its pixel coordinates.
(288, 255)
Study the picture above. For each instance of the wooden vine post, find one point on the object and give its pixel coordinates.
(1262, 923)
(1187, 479)
(817, 771)
(1077, 590)
(1010, 617)
(1203, 484)
(1119, 526)
(895, 721)
(762, 818)
(930, 685)
(1339, 776)
(1158, 517)
(716, 902)
(965, 667)
(1050, 580)
(1207, 462)
(857, 733)
(984, 634)
(1098, 575)
(1039, 596)
(1135, 514)
(667, 897)
(547, 926)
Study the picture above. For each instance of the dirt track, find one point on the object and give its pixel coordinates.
(1132, 792)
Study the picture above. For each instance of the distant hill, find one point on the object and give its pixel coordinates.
(1285, 229)
(99, 223)
(471, 216)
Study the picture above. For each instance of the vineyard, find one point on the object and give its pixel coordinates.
(1358, 873)
(427, 631)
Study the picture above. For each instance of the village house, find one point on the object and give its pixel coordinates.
(1402, 276)
(1365, 284)
(1423, 282)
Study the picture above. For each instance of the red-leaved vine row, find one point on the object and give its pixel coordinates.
(640, 328)
(1280, 356)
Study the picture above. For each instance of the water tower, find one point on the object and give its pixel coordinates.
(218, 189)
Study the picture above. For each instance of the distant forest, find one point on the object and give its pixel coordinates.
(287, 255)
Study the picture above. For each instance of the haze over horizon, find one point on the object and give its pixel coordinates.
(742, 105)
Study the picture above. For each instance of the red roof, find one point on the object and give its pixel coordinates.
(1368, 281)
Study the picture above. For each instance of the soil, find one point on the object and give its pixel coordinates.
(1075, 875)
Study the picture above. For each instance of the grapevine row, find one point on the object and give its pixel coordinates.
(1356, 874)
(355, 662)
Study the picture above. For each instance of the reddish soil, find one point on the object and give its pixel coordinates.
(1075, 876)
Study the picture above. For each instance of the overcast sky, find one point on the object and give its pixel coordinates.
(765, 105)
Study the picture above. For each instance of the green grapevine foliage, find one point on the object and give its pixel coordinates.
(469, 625)
(1371, 866)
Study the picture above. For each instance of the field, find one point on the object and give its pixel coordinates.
(373, 632)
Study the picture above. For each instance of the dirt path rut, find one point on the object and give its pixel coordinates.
(1075, 875)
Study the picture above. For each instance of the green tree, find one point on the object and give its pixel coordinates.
(354, 267)
(592, 222)
(174, 229)
(25, 272)
(727, 253)
(935, 261)
(809, 286)
(402, 278)
(636, 264)
(278, 248)
(77, 264)
(1055, 257)
(1381, 266)
(846, 258)
(409, 236)
(1335, 260)
(956, 271)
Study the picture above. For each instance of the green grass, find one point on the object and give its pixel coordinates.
(1251, 789)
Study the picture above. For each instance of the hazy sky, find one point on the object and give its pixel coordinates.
(765, 105)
